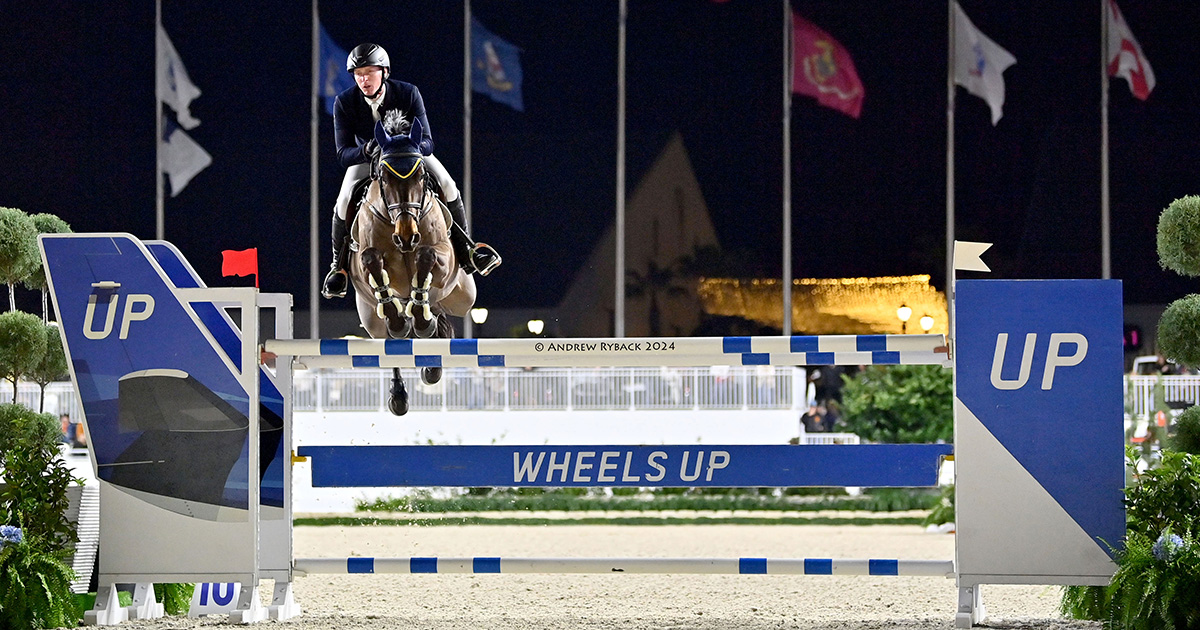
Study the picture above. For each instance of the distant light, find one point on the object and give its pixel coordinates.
(926, 323)
(536, 326)
(479, 315)
(904, 312)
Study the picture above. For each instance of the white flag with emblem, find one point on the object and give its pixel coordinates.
(979, 63)
(175, 89)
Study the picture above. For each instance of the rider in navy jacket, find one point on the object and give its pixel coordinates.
(356, 110)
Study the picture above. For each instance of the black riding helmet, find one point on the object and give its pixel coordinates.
(365, 55)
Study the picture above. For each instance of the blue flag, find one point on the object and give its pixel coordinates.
(333, 78)
(495, 67)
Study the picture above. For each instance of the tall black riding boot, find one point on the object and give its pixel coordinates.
(472, 256)
(336, 281)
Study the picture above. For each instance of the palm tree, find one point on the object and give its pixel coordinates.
(655, 282)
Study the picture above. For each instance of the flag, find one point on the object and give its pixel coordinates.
(240, 263)
(182, 158)
(333, 78)
(1124, 55)
(174, 87)
(979, 63)
(822, 69)
(495, 67)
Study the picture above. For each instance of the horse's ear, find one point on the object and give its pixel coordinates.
(415, 133)
(381, 135)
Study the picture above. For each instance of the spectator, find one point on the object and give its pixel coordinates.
(812, 421)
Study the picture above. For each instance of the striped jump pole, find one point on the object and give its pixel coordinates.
(707, 566)
(605, 352)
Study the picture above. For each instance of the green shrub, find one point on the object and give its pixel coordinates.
(900, 404)
(35, 584)
(1166, 497)
(1178, 236)
(1179, 331)
(943, 510)
(1153, 587)
(175, 598)
(36, 492)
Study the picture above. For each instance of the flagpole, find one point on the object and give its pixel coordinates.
(314, 300)
(1105, 235)
(158, 126)
(950, 170)
(787, 167)
(465, 189)
(619, 297)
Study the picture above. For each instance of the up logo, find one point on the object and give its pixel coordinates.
(138, 307)
(1055, 358)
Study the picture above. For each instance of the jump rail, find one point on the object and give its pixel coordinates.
(590, 352)
(705, 566)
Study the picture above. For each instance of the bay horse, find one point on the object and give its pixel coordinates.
(405, 274)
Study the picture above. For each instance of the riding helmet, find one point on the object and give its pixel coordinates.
(365, 55)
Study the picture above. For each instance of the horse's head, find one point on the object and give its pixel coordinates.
(401, 172)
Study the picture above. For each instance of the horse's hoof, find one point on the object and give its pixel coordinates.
(431, 375)
(428, 331)
(398, 400)
(401, 331)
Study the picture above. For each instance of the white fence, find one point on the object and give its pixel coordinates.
(509, 389)
(1178, 391)
(568, 389)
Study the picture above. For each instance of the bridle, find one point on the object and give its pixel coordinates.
(418, 210)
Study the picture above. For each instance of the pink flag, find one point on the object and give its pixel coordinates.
(1124, 55)
(822, 69)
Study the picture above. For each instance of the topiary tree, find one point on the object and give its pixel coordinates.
(900, 403)
(18, 250)
(1178, 242)
(22, 345)
(53, 365)
(45, 224)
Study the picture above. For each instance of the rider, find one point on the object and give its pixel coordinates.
(356, 111)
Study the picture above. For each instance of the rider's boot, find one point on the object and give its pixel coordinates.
(472, 256)
(336, 281)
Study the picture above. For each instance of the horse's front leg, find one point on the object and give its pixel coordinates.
(418, 308)
(387, 306)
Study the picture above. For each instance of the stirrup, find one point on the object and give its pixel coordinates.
(329, 278)
(482, 252)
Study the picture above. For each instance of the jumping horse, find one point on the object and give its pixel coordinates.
(405, 275)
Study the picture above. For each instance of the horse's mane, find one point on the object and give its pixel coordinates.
(396, 123)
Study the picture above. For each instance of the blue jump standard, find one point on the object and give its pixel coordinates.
(739, 466)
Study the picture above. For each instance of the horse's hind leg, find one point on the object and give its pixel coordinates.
(397, 395)
(423, 317)
(387, 305)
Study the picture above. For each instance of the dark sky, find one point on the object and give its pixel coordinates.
(77, 87)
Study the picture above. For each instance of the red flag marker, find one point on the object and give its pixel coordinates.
(240, 263)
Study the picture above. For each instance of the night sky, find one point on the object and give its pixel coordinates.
(77, 87)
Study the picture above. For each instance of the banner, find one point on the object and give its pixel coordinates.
(823, 69)
(495, 67)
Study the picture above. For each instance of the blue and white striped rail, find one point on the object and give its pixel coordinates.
(728, 566)
(606, 352)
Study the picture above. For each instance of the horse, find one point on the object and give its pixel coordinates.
(405, 274)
